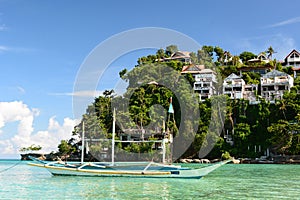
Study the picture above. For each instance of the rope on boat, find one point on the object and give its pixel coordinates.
(10, 167)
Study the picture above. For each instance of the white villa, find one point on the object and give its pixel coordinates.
(234, 86)
(260, 58)
(274, 84)
(205, 83)
(293, 59)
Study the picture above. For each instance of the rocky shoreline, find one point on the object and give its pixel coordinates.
(295, 159)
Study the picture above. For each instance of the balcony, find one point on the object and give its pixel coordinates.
(201, 88)
(293, 59)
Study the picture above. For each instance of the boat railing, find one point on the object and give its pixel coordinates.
(145, 169)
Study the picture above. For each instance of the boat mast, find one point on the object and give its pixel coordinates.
(82, 143)
(164, 150)
(113, 138)
(169, 133)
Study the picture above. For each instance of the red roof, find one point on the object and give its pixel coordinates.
(192, 68)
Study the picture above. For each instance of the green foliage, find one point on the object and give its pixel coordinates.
(208, 50)
(194, 58)
(288, 70)
(270, 52)
(205, 57)
(246, 55)
(122, 73)
(65, 148)
(251, 78)
(226, 155)
(171, 49)
(281, 136)
(227, 70)
(33, 147)
(219, 53)
(160, 53)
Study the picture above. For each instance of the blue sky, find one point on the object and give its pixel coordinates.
(44, 43)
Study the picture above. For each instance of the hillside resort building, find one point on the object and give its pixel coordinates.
(273, 84)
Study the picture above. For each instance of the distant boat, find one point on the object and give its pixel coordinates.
(123, 169)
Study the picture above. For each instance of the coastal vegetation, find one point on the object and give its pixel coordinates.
(249, 131)
(31, 148)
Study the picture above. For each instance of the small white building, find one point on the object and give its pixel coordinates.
(234, 86)
(274, 84)
(205, 83)
(183, 56)
(260, 58)
(293, 59)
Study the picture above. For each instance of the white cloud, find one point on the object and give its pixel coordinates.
(21, 90)
(84, 93)
(25, 135)
(50, 138)
(286, 22)
(4, 48)
(3, 27)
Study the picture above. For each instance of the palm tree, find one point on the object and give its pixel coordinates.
(282, 107)
(270, 51)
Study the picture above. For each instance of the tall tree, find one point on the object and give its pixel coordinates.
(160, 53)
(270, 51)
(282, 136)
(171, 49)
(209, 50)
(246, 55)
(219, 53)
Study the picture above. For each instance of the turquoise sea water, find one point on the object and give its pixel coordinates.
(228, 182)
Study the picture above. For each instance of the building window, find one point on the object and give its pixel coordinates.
(281, 87)
(237, 89)
(294, 55)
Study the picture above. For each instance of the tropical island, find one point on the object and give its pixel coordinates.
(260, 119)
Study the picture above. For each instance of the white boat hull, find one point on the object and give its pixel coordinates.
(122, 172)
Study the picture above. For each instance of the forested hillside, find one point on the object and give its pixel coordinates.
(248, 131)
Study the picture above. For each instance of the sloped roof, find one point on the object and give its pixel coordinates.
(152, 83)
(259, 58)
(262, 56)
(274, 73)
(181, 54)
(293, 51)
(232, 76)
(192, 69)
(207, 71)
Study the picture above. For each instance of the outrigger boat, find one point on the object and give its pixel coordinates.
(124, 169)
